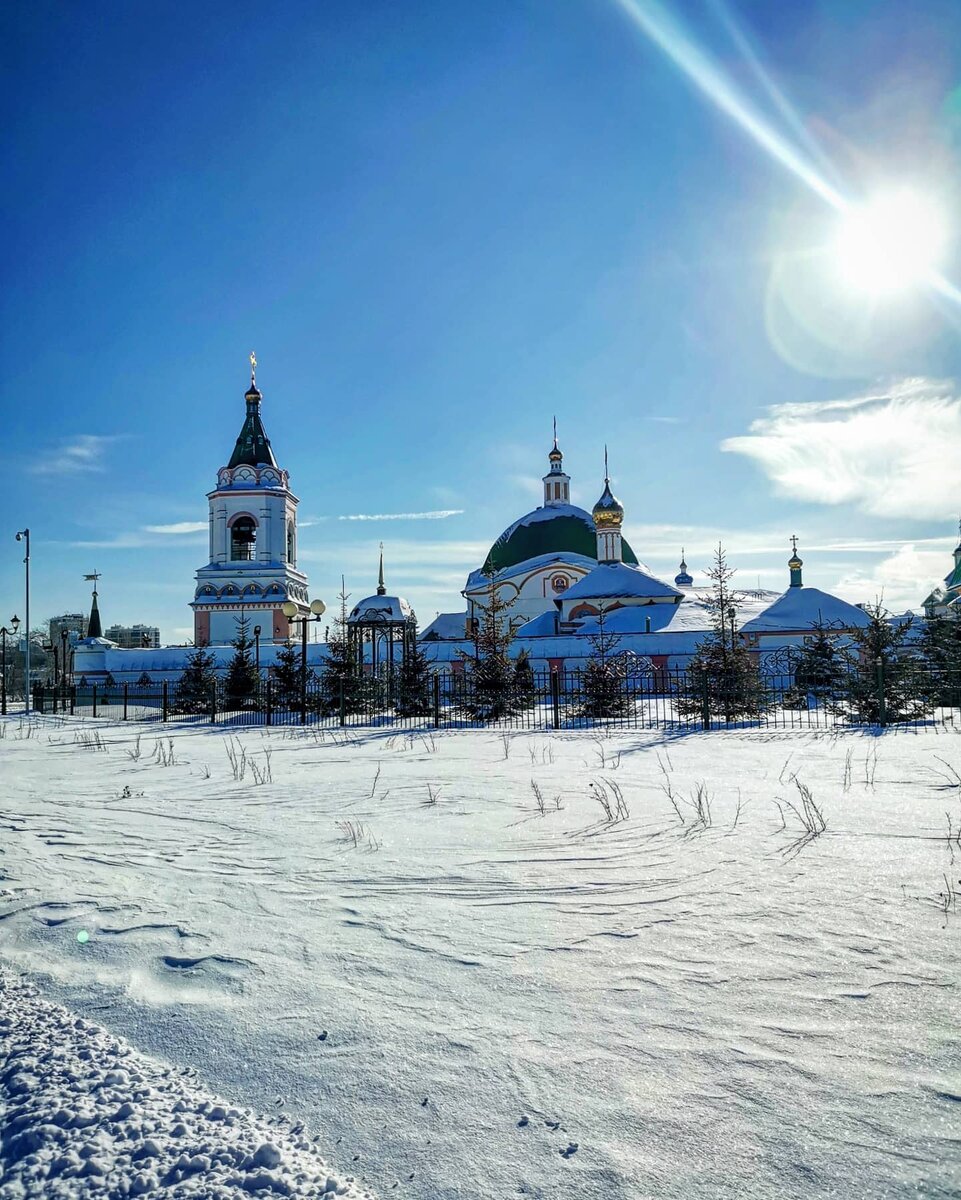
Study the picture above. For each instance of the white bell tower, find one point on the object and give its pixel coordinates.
(557, 485)
(252, 570)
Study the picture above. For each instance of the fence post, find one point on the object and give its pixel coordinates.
(436, 686)
(882, 705)
(94, 694)
(38, 698)
(163, 702)
(341, 700)
(556, 698)
(73, 698)
(269, 715)
(213, 703)
(705, 701)
(125, 686)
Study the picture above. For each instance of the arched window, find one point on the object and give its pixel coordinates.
(291, 552)
(243, 539)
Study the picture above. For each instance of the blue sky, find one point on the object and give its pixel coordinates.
(440, 224)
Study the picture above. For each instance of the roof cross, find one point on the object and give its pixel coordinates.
(794, 542)
(253, 367)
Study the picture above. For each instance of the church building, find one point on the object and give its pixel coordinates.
(252, 570)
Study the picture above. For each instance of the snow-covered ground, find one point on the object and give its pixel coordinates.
(463, 996)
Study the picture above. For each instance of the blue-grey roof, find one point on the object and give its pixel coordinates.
(619, 581)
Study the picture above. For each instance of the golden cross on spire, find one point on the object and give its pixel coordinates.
(253, 367)
(794, 542)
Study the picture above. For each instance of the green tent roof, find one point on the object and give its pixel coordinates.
(559, 529)
(253, 444)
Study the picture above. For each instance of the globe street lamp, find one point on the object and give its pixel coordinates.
(24, 536)
(292, 612)
(4, 634)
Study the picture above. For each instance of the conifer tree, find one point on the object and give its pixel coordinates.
(818, 668)
(603, 685)
(939, 647)
(414, 697)
(491, 673)
(885, 683)
(286, 678)
(722, 677)
(340, 676)
(193, 691)
(242, 683)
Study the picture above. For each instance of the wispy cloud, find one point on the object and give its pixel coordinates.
(667, 420)
(439, 514)
(891, 455)
(178, 527)
(74, 456)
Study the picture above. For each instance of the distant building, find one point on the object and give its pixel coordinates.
(74, 623)
(134, 637)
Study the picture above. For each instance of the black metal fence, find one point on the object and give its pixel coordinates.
(669, 699)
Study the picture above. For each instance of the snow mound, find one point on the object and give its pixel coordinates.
(83, 1115)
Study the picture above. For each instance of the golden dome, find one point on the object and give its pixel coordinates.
(608, 512)
(795, 563)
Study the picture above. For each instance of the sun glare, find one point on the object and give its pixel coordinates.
(890, 244)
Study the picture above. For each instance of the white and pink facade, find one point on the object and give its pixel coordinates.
(252, 570)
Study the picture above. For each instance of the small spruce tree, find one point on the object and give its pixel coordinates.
(287, 678)
(242, 682)
(414, 694)
(818, 669)
(885, 684)
(193, 690)
(340, 675)
(491, 677)
(939, 648)
(603, 684)
(722, 677)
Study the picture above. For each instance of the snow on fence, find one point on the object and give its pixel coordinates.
(676, 699)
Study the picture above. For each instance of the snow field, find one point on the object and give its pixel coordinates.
(444, 956)
(86, 1116)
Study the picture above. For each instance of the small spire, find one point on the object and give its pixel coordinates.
(555, 447)
(794, 563)
(607, 474)
(253, 369)
(94, 626)
(381, 587)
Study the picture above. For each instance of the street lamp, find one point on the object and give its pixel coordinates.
(292, 611)
(257, 632)
(4, 633)
(64, 634)
(24, 536)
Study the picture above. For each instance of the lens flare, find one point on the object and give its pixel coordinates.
(891, 244)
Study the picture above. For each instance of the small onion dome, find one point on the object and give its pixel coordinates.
(555, 453)
(794, 562)
(683, 578)
(608, 512)
(252, 393)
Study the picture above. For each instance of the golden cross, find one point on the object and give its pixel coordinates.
(794, 542)
(253, 366)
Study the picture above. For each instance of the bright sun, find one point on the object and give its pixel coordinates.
(890, 244)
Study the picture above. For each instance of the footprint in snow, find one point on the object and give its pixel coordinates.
(571, 1150)
(523, 1123)
(423, 1102)
(555, 1125)
(322, 1036)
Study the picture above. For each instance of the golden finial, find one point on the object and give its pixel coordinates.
(253, 367)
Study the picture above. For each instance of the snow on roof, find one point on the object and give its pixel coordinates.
(802, 608)
(445, 627)
(380, 608)
(477, 579)
(619, 581)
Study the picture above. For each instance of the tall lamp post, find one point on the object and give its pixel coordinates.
(257, 632)
(64, 634)
(292, 612)
(24, 536)
(4, 634)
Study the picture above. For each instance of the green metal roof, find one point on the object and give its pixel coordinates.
(546, 531)
(253, 444)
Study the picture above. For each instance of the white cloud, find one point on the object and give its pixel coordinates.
(73, 456)
(892, 455)
(439, 514)
(900, 581)
(178, 527)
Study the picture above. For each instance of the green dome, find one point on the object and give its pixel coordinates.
(557, 529)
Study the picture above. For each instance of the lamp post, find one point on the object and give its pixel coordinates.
(4, 633)
(64, 634)
(257, 633)
(24, 536)
(292, 612)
